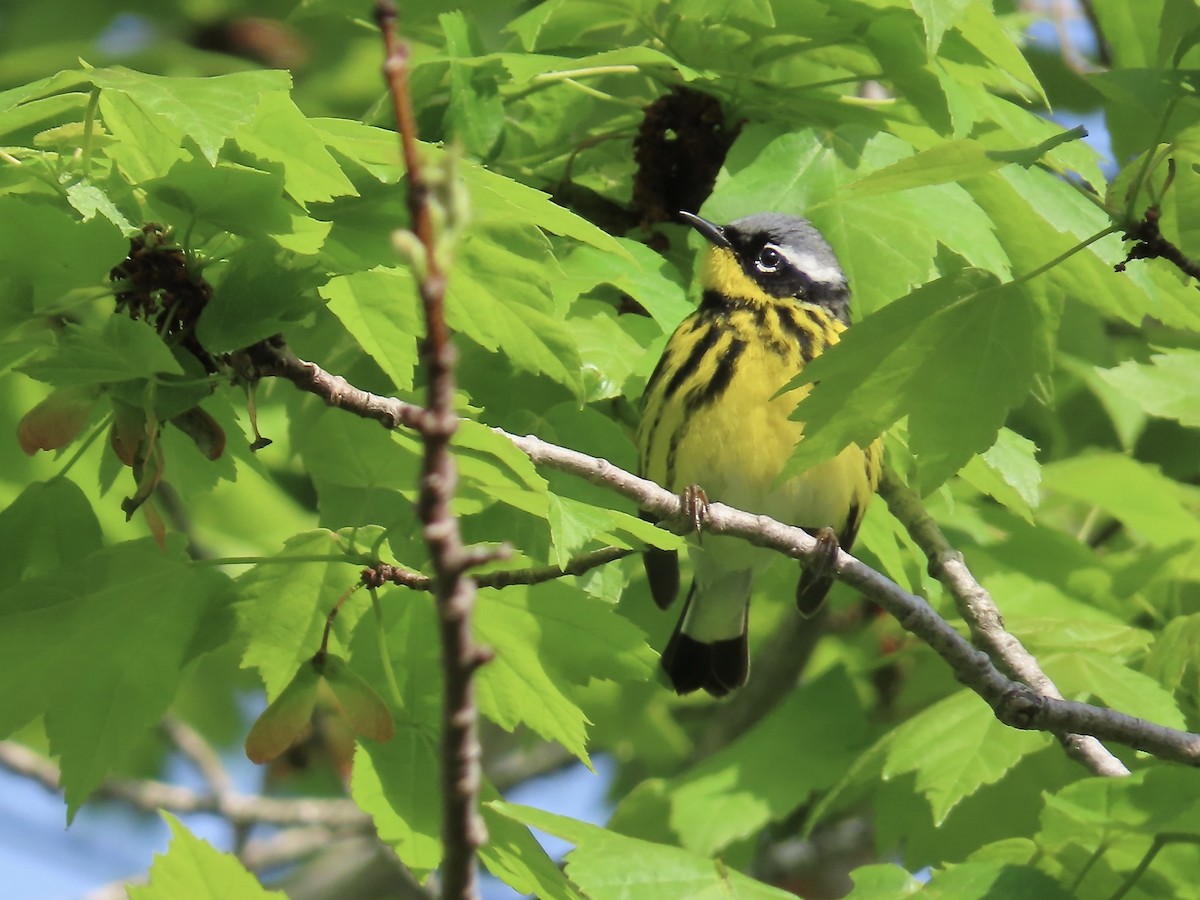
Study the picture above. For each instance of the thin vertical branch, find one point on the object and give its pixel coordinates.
(463, 830)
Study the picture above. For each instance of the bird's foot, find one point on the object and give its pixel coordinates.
(818, 572)
(695, 506)
(825, 553)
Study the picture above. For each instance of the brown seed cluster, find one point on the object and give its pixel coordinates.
(679, 150)
(159, 288)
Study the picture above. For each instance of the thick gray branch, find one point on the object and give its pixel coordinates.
(982, 616)
(1014, 703)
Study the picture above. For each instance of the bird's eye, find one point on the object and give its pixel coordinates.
(768, 259)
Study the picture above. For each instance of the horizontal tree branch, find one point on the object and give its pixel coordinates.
(288, 846)
(274, 358)
(1013, 703)
(239, 809)
(501, 578)
(982, 616)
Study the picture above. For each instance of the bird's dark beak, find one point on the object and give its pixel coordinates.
(713, 233)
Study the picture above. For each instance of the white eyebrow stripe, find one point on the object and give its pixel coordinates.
(818, 271)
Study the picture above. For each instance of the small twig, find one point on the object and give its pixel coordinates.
(1103, 50)
(1072, 57)
(203, 756)
(274, 358)
(979, 611)
(585, 562)
(1160, 841)
(1150, 244)
(329, 620)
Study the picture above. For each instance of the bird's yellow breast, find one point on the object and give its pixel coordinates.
(712, 416)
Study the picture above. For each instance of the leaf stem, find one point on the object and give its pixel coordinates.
(330, 617)
(585, 72)
(1160, 841)
(600, 95)
(1088, 863)
(1085, 527)
(544, 80)
(385, 657)
(1063, 257)
(1151, 158)
(88, 441)
(277, 560)
(89, 127)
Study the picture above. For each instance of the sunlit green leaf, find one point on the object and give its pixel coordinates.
(642, 274)
(994, 41)
(886, 244)
(882, 882)
(122, 351)
(955, 747)
(208, 110)
(256, 298)
(1008, 472)
(1169, 386)
(228, 196)
(957, 343)
(280, 133)
(46, 251)
(476, 112)
(285, 599)
(548, 638)
(764, 776)
(1175, 657)
(192, 867)
(1136, 493)
(993, 340)
(937, 16)
(609, 865)
(396, 782)
(47, 527)
(994, 880)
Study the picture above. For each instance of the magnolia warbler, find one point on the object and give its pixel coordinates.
(774, 297)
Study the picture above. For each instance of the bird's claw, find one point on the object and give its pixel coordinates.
(695, 506)
(825, 553)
